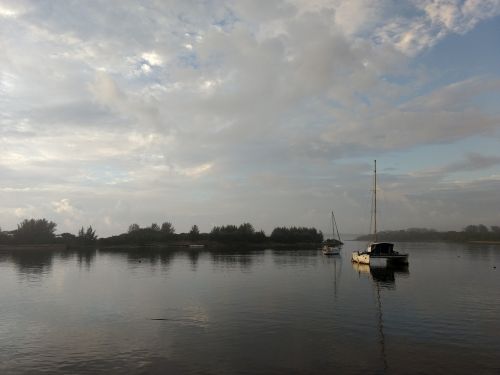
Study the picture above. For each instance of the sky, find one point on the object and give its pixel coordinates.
(269, 112)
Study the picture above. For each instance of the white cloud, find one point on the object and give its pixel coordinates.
(11, 10)
(24, 212)
(412, 35)
(64, 207)
(152, 58)
(146, 69)
(196, 171)
(231, 100)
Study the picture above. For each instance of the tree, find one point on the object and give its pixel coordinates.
(246, 229)
(194, 233)
(68, 237)
(481, 228)
(155, 227)
(296, 234)
(133, 228)
(471, 229)
(167, 228)
(35, 231)
(87, 236)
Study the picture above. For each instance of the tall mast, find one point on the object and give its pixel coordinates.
(333, 228)
(336, 227)
(375, 202)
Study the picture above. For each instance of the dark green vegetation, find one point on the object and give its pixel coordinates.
(469, 233)
(41, 231)
(244, 234)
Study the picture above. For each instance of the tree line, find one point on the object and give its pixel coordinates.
(243, 233)
(479, 232)
(42, 231)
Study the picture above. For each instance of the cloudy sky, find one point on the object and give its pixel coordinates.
(215, 112)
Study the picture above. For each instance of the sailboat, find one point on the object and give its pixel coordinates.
(332, 247)
(378, 253)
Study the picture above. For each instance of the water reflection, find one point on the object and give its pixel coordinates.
(385, 277)
(110, 311)
(30, 263)
(33, 263)
(482, 251)
(153, 256)
(287, 258)
(85, 257)
(194, 257)
(335, 263)
(236, 259)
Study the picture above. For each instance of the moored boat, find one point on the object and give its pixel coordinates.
(330, 250)
(378, 253)
(333, 246)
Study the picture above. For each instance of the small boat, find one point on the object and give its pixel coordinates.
(332, 246)
(330, 250)
(196, 246)
(379, 254)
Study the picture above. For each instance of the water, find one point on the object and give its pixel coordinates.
(272, 312)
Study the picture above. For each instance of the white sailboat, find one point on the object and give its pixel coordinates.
(332, 247)
(378, 253)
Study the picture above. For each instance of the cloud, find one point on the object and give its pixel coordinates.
(472, 162)
(12, 9)
(447, 114)
(152, 58)
(222, 103)
(412, 35)
(64, 207)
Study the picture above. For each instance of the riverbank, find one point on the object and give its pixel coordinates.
(486, 242)
(34, 247)
(167, 246)
(214, 245)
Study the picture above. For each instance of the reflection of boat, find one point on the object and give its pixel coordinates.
(332, 246)
(386, 276)
(378, 253)
(361, 268)
(332, 261)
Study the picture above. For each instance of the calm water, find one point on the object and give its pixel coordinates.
(272, 312)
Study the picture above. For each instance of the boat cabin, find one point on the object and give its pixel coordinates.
(381, 248)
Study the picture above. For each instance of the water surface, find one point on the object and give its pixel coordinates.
(273, 312)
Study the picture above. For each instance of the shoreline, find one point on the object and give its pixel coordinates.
(165, 246)
(486, 242)
(490, 242)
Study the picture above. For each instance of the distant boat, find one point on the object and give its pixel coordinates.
(332, 247)
(196, 246)
(378, 253)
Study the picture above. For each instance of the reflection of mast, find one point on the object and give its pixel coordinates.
(381, 328)
(335, 278)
